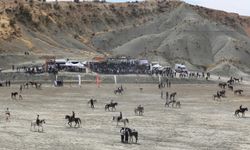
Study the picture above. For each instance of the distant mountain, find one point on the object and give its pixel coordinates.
(165, 31)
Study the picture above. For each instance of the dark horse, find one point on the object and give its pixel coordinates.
(14, 94)
(238, 91)
(222, 85)
(112, 105)
(119, 90)
(132, 133)
(172, 96)
(242, 111)
(76, 120)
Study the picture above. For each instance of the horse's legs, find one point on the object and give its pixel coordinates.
(69, 123)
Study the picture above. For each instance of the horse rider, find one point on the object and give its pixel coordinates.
(111, 102)
(73, 115)
(240, 107)
(37, 120)
(121, 88)
(7, 113)
(92, 103)
(120, 117)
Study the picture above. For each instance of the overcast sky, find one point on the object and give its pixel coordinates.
(238, 6)
(241, 7)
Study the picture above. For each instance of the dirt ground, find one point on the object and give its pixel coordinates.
(200, 123)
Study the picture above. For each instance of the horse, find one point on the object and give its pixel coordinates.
(230, 87)
(139, 110)
(231, 81)
(14, 94)
(239, 91)
(216, 96)
(118, 91)
(38, 85)
(222, 85)
(76, 120)
(133, 133)
(242, 111)
(39, 125)
(237, 79)
(125, 120)
(167, 103)
(112, 105)
(20, 97)
(172, 95)
(222, 93)
(178, 104)
(26, 85)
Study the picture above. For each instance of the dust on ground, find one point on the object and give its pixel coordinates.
(200, 123)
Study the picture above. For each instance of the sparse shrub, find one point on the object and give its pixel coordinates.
(12, 22)
(57, 6)
(3, 25)
(25, 14)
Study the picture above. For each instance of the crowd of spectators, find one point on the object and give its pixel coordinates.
(119, 67)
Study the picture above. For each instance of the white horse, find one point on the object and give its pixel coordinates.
(39, 125)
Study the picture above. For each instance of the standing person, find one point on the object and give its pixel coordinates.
(122, 131)
(126, 135)
(21, 88)
(169, 84)
(162, 94)
(7, 113)
(92, 103)
(166, 95)
(241, 79)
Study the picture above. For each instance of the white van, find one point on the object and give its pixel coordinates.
(180, 68)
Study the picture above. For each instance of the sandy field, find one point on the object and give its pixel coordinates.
(200, 123)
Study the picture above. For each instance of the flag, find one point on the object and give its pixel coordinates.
(98, 80)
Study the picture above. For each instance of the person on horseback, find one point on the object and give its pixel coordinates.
(73, 115)
(120, 117)
(37, 120)
(111, 102)
(121, 88)
(240, 107)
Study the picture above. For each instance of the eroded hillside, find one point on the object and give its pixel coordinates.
(169, 31)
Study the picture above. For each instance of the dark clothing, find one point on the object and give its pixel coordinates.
(37, 120)
(73, 115)
(126, 136)
(92, 103)
(122, 131)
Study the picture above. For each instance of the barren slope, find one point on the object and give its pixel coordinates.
(169, 31)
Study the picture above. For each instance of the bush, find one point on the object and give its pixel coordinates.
(12, 22)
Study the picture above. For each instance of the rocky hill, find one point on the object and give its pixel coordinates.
(165, 31)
